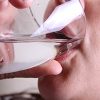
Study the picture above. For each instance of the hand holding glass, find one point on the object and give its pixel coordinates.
(29, 51)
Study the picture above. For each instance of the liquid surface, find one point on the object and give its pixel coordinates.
(28, 55)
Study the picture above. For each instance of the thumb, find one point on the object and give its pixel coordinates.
(3, 4)
(48, 68)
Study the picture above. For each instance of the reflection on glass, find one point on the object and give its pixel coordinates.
(20, 51)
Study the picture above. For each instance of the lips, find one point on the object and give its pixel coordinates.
(69, 32)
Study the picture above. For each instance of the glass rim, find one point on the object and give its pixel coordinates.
(27, 38)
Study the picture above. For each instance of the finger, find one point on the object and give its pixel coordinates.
(63, 1)
(48, 68)
(21, 3)
(3, 4)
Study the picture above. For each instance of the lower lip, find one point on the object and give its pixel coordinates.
(65, 56)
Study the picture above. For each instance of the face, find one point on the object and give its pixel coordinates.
(79, 79)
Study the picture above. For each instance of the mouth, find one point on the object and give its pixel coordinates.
(65, 47)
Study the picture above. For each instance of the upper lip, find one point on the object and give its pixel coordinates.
(68, 33)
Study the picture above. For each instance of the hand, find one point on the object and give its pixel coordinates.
(8, 12)
(77, 78)
(16, 3)
(7, 20)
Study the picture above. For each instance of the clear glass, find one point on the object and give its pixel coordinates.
(20, 51)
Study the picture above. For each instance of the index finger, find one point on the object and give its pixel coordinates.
(51, 67)
(21, 3)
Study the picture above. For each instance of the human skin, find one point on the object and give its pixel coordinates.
(7, 15)
(79, 79)
(15, 3)
(7, 11)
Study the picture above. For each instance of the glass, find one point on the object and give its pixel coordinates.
(21, 51)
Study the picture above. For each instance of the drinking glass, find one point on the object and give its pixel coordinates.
(22, 52)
